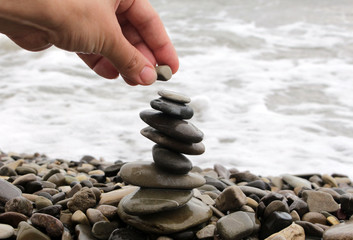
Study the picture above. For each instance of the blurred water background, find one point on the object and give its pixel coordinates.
(271, 83)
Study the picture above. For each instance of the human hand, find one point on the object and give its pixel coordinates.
(112, 37)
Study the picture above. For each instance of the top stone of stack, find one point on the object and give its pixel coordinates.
(164, 73)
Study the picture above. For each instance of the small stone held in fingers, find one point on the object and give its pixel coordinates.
(164, 73)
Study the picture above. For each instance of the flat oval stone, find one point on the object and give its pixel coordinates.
(174, 96)
(164, 73)
(320, 201)
(174, 109)
(173, 144)
(22, 180)
(295, 181)
(146, 174)
(6, 231)
(175, 128)
(340, 231)
(26, 231)
(52, 225)
(170, 161)
(8, 191)
(150, 200)
(192, 214)
(12, 218)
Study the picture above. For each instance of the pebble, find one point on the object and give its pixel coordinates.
(176, 128)
(6, 231)
(232, 198)
(145, 174)
(7, 171)
(149, 200)
(295, 181)
(52, 225)
(206, 232)
(171, 143)
(115, 196)
(343, 231)
(26, 231)
(346, 201)
(237, 225)
(192, 214)
(8, 191)
(170, 161)
(84, 232)
(164, 73)
(103, 229)
(311, 229)
(275, 222)
(174, 109)
(95, 215)
(126, 234)
(42, 202)
(174, 96)
(320, 201)
(293, 232)
(12, 218)
(79, 218)
(20, 205)
(82, 200)
(22, 180)
(314, 217)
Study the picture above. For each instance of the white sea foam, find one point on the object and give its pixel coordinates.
(270, 82)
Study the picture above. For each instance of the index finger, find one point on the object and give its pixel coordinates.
(145, 19)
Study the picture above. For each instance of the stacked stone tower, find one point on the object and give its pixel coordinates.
(164, 202)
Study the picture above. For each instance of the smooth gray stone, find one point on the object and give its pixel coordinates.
(170, 161)
(320, 201)
(339, 231)
(237, 225)
(173, 109)
(173, 144)
(296, 181)
(174, 96)
(175, 128)
(164, 73)
(146, 174)
(8, 191)
(249, 190)
(150, 200)
(192, 214)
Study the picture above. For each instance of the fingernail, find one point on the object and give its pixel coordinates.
(148, 75)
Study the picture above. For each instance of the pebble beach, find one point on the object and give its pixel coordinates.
(168, 198)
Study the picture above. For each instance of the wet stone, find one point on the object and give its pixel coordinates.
(164, 73)
(52, 225)
(33, 186)
(171, 161)
(20, 205)
(177, 110)
(173, 144)
(147, 201)
(175, 128)
(174, 96)
(192, 214)
(146, 174)
(276, 205)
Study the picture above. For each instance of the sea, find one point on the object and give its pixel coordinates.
(271, 84)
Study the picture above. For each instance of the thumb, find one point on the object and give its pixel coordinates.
(132, 65)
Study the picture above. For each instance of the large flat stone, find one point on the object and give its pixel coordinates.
(150, 200)
(173, 144)
(175, 128)
(192, 214)
(146, 174)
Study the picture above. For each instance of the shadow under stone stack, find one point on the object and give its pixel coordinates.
(164, 203)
